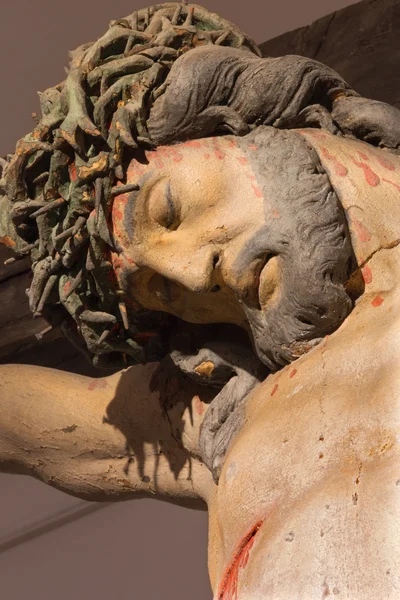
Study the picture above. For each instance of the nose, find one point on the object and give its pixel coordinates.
(195, 271)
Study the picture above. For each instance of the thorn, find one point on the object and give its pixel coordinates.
(42, 177)
(189, 18)
(241, 40)
(39, 336)
(74, 285)
(97, 317)
(49, 206)
(146, 17)
(124, 314)
(98, 186)
(103, 337)
(222, 37)
(176, 16)
(119, 172)
(124, 189)
(46, 293)
(71, 231)
(129, 45)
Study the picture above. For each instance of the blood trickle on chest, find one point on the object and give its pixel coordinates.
(228, 587)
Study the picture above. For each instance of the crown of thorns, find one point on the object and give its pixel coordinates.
(63, 177)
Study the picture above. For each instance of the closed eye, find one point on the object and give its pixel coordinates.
(171, 214)
(162, 208)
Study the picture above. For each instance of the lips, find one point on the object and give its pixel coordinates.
(268, 282)
(261, 285)
(247, 286)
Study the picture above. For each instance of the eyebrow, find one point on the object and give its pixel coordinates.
(128, 214)
(129, 209)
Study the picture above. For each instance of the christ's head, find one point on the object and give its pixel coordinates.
(154, 189)
(241, 230)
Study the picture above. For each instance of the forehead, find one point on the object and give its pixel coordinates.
(187, 159)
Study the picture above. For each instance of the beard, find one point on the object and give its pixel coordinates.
(311, 241)
(311, 302)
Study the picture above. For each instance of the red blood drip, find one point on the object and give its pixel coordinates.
(367, 274)
(199, 406)
(257, 190)
(97, 384)
(386, 163)
(370, 177)
(363, 155)
(117, 214)
(158, 163)
(218, 154)
(293, 373)
(275, 389)
(339, 167)
(228, 588)
(362, 232)
(392, 183)
(316, 134)
(377, 301)
(117, 262)
(193, 144)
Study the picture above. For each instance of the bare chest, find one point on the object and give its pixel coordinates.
(320, 447)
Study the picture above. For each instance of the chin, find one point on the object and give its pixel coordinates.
(279, 338)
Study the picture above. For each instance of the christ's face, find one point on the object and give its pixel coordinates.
(191, 235)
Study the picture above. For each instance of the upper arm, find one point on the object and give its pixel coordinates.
(133, 434)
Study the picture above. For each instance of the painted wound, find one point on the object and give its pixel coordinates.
(228, 588)
(370, 176)
(340, 169)
(360, 229)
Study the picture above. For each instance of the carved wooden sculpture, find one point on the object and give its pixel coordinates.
(224, 228)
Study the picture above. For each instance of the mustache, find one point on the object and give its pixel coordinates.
(266, 241)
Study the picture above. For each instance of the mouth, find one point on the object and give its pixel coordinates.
(268, 282)
(261, 283)
(250, 283)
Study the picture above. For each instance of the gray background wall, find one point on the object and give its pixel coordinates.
(144, 549)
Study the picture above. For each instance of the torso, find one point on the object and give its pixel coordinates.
(308, 503)
(317, 466)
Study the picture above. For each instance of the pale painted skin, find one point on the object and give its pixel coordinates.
(198, 207)
(317, 461)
